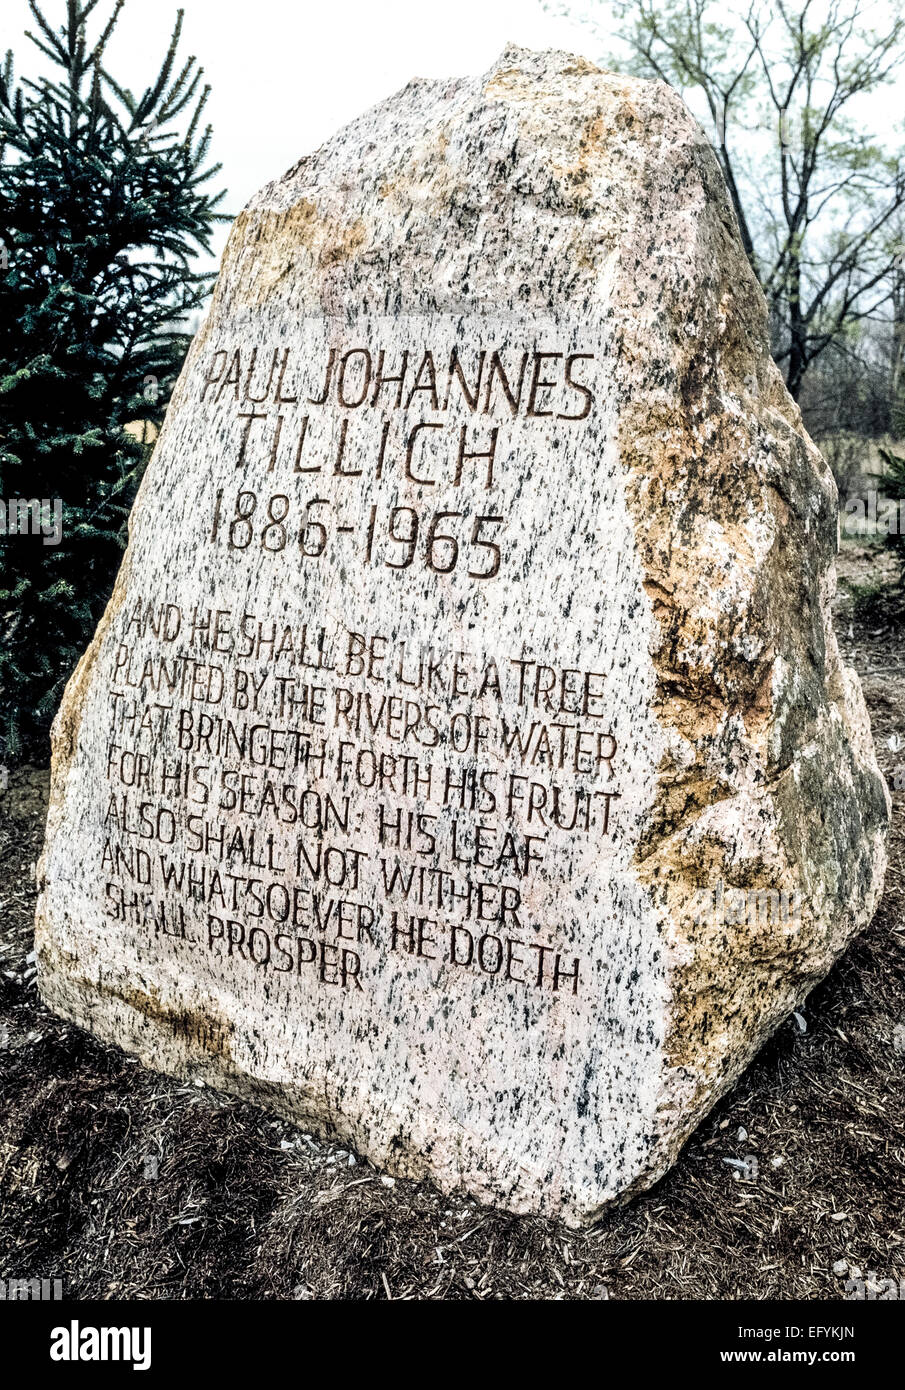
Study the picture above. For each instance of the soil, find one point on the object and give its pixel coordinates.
(126, 1184)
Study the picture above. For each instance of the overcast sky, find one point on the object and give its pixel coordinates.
(286, 74)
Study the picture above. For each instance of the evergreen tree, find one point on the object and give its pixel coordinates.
(103, 206)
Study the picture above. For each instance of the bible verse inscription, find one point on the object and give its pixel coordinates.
(305, 796)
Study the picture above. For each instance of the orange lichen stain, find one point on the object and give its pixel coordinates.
(594, 136)
(347, 242)
(267, 245)
(513, 83)
(200, 1027)
(580, 67)
(507, 83)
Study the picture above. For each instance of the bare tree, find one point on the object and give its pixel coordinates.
(897, 371)
(816, 196)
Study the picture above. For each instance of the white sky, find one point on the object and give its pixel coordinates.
(286, 75)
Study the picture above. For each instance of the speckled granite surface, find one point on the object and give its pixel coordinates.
(464, 764)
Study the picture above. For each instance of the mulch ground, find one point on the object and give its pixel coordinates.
(127, 1184)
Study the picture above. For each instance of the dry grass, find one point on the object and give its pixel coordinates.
(127, 1184)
